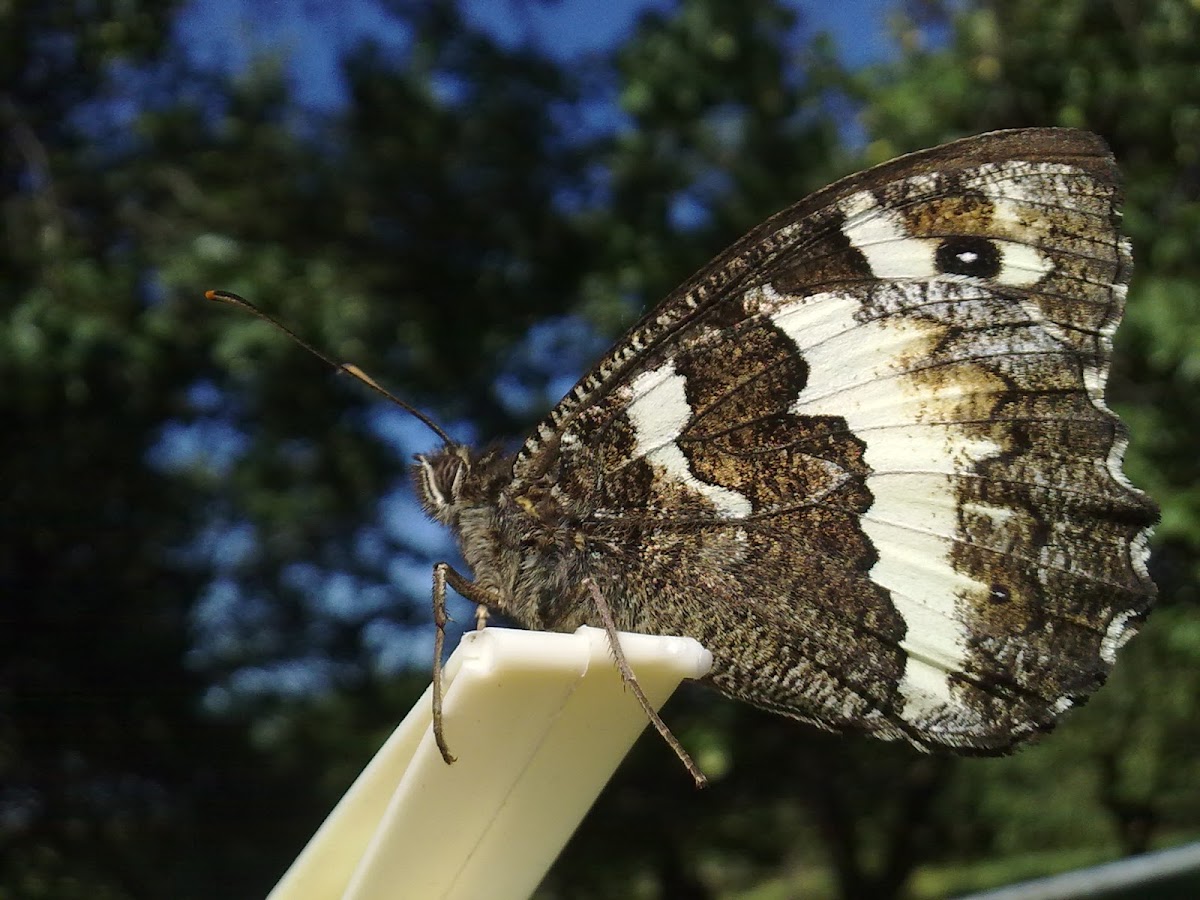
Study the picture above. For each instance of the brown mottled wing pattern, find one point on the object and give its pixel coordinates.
(864, 456)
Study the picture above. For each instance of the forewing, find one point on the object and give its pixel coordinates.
(864, 456)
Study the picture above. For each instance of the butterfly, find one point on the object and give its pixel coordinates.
(863, 457)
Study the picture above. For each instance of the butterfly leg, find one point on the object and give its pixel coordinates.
(443, 575)
(610, 628)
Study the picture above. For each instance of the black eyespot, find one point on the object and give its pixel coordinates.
(999, 594)
(970, 255)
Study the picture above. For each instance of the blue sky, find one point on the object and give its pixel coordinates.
(230, 33)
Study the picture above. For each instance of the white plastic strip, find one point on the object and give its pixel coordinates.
(538, 722)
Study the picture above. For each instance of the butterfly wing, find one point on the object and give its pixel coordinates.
(864, 456)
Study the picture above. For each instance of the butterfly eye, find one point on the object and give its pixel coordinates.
(968, 255)
(439, 479)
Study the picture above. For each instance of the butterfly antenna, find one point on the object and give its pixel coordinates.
(351, 370)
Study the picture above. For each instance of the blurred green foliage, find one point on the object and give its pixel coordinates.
(188, 501)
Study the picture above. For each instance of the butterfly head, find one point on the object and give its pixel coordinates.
(456, 478)
(440, 479)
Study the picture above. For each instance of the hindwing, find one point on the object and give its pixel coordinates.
(864, 456)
